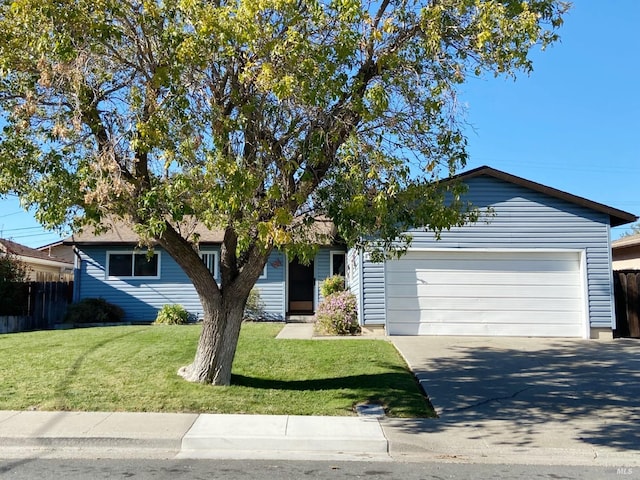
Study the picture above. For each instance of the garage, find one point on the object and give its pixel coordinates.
(480, 292)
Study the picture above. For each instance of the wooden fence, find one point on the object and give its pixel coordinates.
(626, 284)
(34, 306)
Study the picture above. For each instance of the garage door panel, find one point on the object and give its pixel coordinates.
(524, 319)
(485, 293)
(403, 292)
(408, 265)
(486, 329)
(494, 304)
(493, 278)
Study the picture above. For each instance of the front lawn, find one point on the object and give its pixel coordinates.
(133, 368)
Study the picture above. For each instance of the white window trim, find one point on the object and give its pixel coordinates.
(133, 253)
(216, 256)
(331, 255)
(263, 275)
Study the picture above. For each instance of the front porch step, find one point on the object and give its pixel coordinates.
(306, 318)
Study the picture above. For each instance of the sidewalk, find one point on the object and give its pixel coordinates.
(171, 435)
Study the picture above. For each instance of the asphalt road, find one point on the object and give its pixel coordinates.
(47, 469)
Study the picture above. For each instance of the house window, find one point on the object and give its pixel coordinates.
(210, 259)
(133, 265)
(338, 263)
(263, 276)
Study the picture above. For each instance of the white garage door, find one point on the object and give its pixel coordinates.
(485, 293)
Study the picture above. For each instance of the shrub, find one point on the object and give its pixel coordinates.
(14, 291)
(254, 309)
(172, 315)
(93, 310)
(332, 285)
(338, 314)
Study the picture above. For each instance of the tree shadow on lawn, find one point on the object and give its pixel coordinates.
(61, 392)
(588, 391)
(395, 390)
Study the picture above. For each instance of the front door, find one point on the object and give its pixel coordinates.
(301, 283)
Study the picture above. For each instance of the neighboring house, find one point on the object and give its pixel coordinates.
(626, 252)
(538, 265)
(111, 266)
(41, 266)
(60, 251)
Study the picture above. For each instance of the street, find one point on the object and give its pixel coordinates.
(71, 469)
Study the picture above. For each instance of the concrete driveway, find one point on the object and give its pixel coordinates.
(536, 396)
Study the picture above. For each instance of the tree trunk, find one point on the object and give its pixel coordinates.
(223, 308)
(217, 344)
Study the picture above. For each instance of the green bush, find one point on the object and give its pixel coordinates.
(254, 309)
(332, 285)
(14, 289)
(93, 310)
(337, 314)
(172, 315)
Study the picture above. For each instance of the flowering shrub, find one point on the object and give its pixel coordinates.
(338, 314)
(332, 285)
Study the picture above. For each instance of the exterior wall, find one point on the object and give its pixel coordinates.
(322, 270)
(627, 258)
(272, 288)
(139, 298)
(373, 296)
(523, 219)
(142, 298)
(44, 273)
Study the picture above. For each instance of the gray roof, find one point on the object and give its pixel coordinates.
(120, 233)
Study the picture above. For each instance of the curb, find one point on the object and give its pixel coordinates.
(279, 436)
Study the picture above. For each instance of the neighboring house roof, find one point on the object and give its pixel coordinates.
(626, 242)
(27, 254)
(616, 217)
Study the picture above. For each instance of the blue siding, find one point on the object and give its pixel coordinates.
(373, 297)
(521, 219)
(139, 298)
(272, 288)
(142, 298)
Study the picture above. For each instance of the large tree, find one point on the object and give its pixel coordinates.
(249, 116)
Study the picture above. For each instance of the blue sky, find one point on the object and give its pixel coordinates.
(573, 124)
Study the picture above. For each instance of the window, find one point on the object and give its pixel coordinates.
(132, 265)
(338, 263)
(210, 259)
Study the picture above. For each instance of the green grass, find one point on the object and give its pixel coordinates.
(133, 368)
